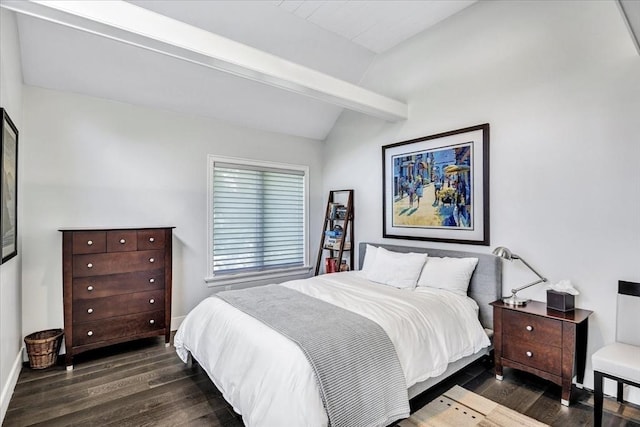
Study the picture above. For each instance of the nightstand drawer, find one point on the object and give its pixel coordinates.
(530, 327)
(537, 355)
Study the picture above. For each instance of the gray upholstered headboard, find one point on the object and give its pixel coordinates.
(486, 282)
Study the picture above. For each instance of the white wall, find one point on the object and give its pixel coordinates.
(559, 83)
(10, 289)
(91, 162)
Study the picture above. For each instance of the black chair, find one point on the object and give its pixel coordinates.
(619, 361)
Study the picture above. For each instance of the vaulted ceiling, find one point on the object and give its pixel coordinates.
(285, 65)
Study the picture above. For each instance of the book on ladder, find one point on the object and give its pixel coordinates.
(337, 241)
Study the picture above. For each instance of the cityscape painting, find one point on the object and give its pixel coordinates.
(436, 187)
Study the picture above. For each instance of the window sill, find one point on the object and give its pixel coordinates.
(232, 279)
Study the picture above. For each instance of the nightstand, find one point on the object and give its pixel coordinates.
(548, 343)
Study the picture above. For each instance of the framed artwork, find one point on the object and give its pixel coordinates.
(9, 178)
(437, 187)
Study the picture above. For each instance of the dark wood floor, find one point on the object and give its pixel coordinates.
(145, 384)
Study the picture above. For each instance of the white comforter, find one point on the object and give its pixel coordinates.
(267, 378)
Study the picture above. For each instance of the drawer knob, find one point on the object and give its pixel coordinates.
(90, 333)
(89, 242)
(151, 322)
(89, 288)
(122, 241)
(152, 260)
(151, 239)
(152, 301)
(152, 280)
(529, 354)
(89, 265)
(90, 310)
(529, 328)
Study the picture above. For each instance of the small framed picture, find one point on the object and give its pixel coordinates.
(9, 178)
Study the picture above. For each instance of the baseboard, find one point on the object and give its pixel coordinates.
(7, 389)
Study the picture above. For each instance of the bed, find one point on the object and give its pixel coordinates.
(268, 379)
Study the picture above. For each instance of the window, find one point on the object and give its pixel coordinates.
(257, 219)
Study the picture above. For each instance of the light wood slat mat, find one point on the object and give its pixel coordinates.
(458, 407)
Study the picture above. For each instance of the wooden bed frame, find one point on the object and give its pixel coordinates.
(485, 287)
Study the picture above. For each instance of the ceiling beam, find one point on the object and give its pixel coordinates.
(134, 25)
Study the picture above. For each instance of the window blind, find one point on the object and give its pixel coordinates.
(258, 218)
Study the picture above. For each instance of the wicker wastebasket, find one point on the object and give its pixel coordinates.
(43, 347)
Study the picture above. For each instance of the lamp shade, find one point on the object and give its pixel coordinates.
(503, 252)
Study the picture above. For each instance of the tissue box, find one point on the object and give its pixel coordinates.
(560, 301)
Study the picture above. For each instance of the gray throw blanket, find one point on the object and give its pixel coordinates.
(359, 375)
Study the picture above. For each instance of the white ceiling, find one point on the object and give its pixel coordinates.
(337, 38)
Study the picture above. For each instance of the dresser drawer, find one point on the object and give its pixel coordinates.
(89, 242)
(117, 327)
(530, 327)
(115, 284)
(534, 354)
(117, 262)
(117, 305)
(150, 239)
(122, 241)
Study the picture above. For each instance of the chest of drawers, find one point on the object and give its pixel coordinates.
(548, 343)
(117, 286)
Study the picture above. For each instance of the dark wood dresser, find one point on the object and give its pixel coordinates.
(548, 343)
(117, 286)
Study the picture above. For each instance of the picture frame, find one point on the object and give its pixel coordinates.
(436, 187)
(9, 187)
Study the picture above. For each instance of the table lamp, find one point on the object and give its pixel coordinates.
(505, 253)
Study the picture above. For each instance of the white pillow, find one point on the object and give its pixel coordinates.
(369, 258)
(396, 269)
(452, 274)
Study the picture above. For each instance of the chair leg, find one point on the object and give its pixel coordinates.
(597, 398)
(620, 391)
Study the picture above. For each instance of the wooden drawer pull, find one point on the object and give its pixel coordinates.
(90, 310)
(529, 354)
(122, 241)
(152, 301)
(90, 333)
(89, 242)
(529, 328)
(151, 322)
(151, 239)
(89, 288)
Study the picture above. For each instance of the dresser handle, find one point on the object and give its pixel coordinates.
(151, 322)
(151, 301)
(529, 354)
(89, 265)
(152, 260)
(89, 242)
(529, 328)
(122, 241)
(90, 310)
(89, 288)
(151, 239)
(90, 333)
(152, 280)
